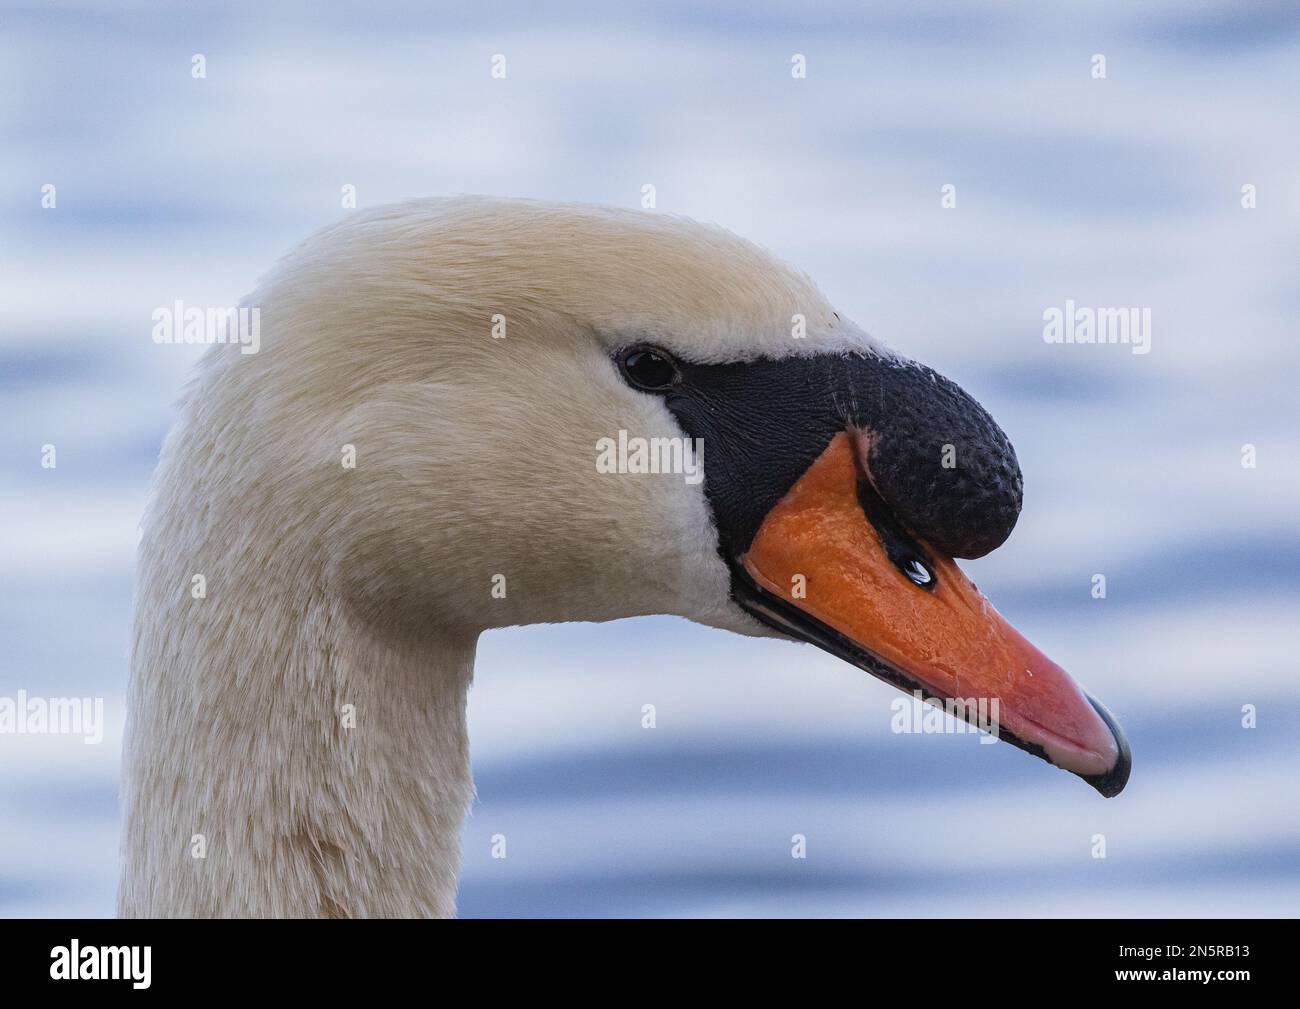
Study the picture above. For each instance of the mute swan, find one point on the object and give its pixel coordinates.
(305, 629)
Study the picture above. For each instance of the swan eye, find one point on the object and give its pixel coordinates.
(648, 369)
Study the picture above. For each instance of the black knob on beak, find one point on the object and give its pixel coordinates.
(941, 463)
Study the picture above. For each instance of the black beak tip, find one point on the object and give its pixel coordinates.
(1113, 781)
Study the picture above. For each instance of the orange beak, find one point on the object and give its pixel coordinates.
(829, 564)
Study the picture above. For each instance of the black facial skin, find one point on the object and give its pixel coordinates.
(765, 422)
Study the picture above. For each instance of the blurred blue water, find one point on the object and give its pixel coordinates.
(1124, 191)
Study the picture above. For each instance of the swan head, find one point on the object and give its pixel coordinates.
(473, 413)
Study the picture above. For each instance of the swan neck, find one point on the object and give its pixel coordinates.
(284, 756)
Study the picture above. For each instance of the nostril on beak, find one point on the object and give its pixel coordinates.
(906, 554)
